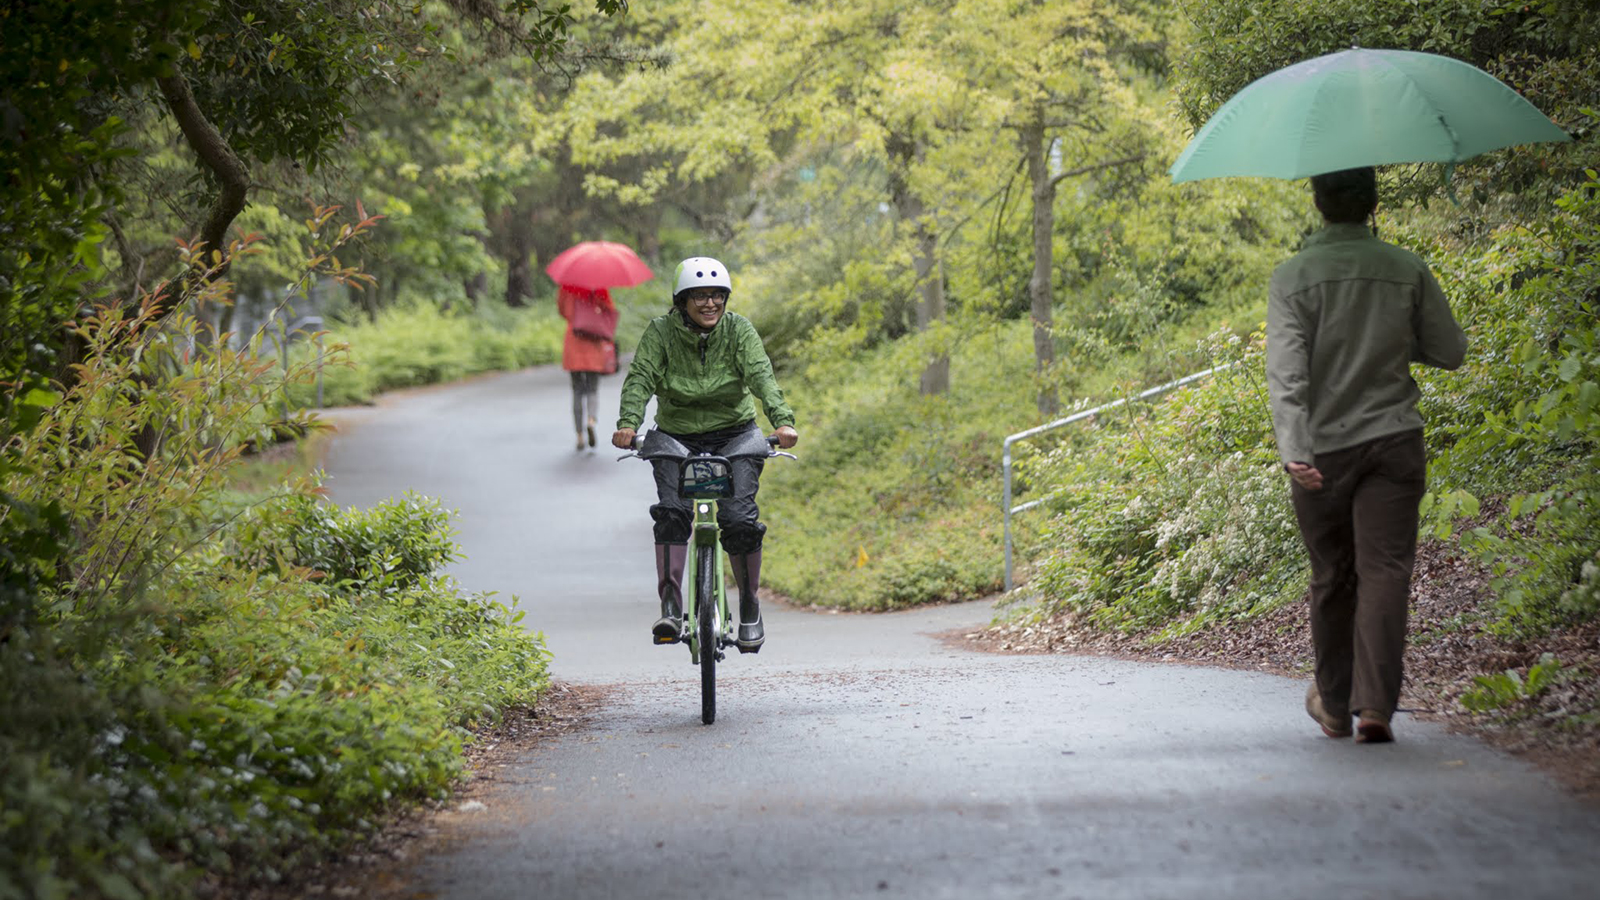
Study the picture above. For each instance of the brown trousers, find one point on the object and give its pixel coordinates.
(1360, 530)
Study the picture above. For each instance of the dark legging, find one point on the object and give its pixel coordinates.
(585, 393)
(742, 529)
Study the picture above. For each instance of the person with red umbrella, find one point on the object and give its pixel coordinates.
(584, 272)
(587, 352)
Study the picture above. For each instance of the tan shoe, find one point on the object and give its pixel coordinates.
(1374, 728)
(1332, 726)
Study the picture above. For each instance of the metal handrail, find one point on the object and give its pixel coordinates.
(1005, 465)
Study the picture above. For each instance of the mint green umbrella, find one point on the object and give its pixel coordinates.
(1361, 108)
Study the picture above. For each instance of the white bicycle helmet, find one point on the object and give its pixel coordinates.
(702, 271)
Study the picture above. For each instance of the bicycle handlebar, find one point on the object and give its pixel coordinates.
(772, 441)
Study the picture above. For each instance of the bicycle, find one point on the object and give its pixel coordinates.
(704, 478)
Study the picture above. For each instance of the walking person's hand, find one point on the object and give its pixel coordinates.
(622, 438)
(1308, 477)
(787, 436)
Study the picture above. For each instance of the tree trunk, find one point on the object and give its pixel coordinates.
(232, 177)
(647, 234)
(233, 181)
(904, 151)
(930, 282)
(552, 233)
(519, 253)
(366, 300)
(474, 287)
(1040, 301)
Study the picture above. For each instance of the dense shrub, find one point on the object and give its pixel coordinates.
(892, 501)
(190, 681)
(1523, 417)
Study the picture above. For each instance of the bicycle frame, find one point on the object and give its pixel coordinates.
(703, 480)
(705, 547)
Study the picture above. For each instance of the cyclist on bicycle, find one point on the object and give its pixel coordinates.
(703, 364)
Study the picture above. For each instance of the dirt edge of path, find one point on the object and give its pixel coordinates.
(1450, 644)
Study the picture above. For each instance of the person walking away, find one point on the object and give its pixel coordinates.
(587, 352)
(1346, 317)
(704, 365)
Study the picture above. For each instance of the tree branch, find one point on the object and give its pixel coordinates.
(214, 152)
(1084, 170)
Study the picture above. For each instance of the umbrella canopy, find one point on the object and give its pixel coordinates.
(1361, 108)
(598, 264)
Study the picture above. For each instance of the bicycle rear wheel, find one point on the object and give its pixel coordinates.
(706, 609)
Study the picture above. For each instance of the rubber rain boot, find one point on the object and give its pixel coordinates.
(670, 559)
(747, 575)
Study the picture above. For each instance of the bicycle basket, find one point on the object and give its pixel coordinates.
(705, 478)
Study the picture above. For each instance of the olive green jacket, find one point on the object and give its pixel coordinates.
(701, 381)
(1346, 317)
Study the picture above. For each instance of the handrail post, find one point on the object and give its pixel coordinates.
(1005, 465)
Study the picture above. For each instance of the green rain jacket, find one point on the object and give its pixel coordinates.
(701, 381)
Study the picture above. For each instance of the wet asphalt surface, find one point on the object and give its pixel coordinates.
(858, 756)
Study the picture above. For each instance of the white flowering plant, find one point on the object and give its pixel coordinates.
(1177, 513)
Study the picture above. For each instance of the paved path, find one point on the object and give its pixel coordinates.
(856, 756)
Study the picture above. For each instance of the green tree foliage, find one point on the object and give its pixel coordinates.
(124, 124)
(62, 65)
(758, 86)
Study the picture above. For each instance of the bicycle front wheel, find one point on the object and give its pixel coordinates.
(706, 609)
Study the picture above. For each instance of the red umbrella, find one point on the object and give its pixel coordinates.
(598, 264)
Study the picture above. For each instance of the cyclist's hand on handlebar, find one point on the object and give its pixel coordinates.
(622, 438)
(787, 436)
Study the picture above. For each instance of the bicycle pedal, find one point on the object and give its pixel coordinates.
(658, 639)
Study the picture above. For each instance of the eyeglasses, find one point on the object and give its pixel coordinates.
(711, 299)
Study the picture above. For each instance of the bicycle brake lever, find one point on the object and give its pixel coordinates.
(790, 455)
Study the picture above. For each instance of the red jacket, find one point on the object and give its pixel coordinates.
(578, 352)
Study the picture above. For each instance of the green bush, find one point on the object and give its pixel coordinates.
(892, 501)
(395, 545)
(191, 681)
(1522, 419)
